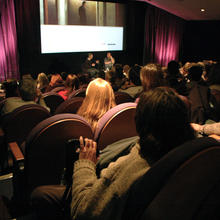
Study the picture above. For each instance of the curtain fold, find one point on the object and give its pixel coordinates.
(9, 67)
(163, 36)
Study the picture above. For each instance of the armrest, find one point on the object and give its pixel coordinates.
(17, 154)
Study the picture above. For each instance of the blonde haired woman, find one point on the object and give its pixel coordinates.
(99, 99)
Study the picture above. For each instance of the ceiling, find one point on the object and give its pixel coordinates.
(190, 9)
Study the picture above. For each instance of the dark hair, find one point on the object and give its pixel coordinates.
(151, 76)
(28, 89)
(134, 75)
(195, 72)
(173, 68)
(11, 87)
(162, 122)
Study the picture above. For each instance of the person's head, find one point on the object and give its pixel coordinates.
(42, 80)
(90, 56)
(151, 76)
(134, 75)
(99, 99)
(28, 89)
(195, 72)
(11, 87)
(173, 68)
(72, 82)
(109, 55)
(162, 122)
(84, 3)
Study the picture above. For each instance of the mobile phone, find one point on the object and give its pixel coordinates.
(72, 147)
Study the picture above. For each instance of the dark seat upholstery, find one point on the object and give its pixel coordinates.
(122, 97)
(78, 93)
(52, 100)
(57, 89)
(45, 148)
(69, 106)
(116, 124)
(17, 124)
(183, 185)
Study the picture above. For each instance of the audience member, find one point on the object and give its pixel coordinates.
(202, 103)
(71, 84)
(11, 88)
(134, 87)
(42, 82)
(115, 77)
(28, 95)
(175, 79)
(55, 81)
(99, 99)
(151, 77)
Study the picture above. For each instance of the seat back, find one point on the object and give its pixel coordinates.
(122, 97)
(187, 193)
(52, 100)
(19, 123)
(69, 106)
(45, 148)
(57, 89)
(78, 93)
(116, 124)
(148, 193)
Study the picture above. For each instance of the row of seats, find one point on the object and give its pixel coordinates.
(42, 158)
(53, 100)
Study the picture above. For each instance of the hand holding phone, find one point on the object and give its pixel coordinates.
(88, 149)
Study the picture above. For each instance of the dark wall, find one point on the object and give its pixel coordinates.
(201, 40)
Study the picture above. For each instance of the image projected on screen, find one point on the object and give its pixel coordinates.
(81, 26)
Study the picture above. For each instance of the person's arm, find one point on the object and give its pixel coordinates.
(207, 129)
(87, 189)
(112, 60)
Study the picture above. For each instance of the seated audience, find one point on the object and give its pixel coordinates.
(42, 82)
(133, 87)
(28, 95)
(162, 124)
(115, 77)
(71, 84)
(151, 77)
(99, 99)
(203, 105)
(55, 81)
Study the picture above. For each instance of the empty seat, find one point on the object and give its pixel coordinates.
(69, 106)
(116, 124)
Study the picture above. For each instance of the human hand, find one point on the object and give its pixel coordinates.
(197, 127)
(88, 149)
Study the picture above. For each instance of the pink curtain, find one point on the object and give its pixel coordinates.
(9, 67)
(163, 36)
